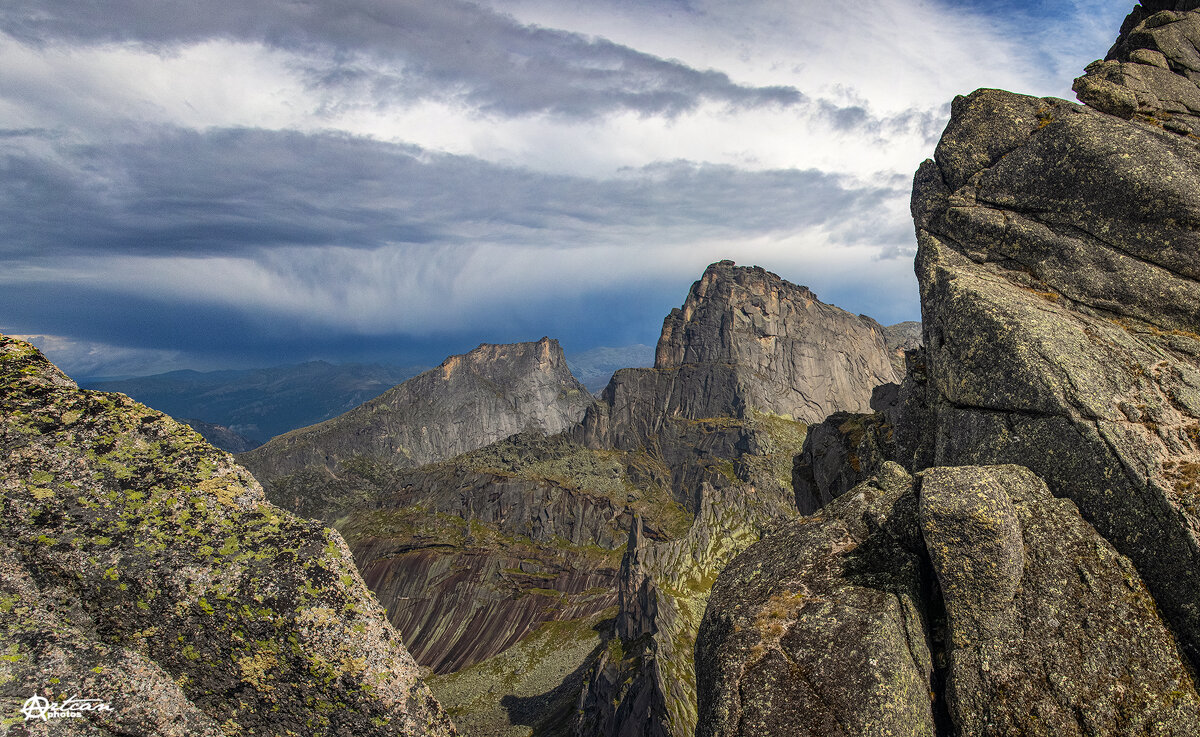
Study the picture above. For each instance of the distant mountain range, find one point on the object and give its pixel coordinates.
(241, 409)
(595, 367)
(262, 403)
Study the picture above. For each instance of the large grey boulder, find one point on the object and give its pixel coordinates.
(1050, 630)
(967, 601)
(821, 628)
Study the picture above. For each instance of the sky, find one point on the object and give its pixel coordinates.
(241, 183)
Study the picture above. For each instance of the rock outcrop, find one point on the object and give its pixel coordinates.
(465, 403)
(789, 354)
(965, 601)
(1060, 293)
(746, 357)
(142, 568)
(1048, 629)
(1058, 270)
(821, 629)
(900, 339)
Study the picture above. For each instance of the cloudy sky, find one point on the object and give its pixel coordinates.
(234, 183)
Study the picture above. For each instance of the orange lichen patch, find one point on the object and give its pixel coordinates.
(773, 619)
(450, 365)
(1184, 477)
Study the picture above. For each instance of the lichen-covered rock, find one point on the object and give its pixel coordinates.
(1035, 624)
(465, 403)
(820, 628)
(839, 454)
(794, 355)
(1058, 264)
(1152, 71)
(142, 567)
(1050, 630)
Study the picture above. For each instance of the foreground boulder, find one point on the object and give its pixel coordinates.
(1049, 629)
(821, 629)
(966, 601)
(142, 568)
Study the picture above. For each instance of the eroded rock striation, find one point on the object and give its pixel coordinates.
(141, 567)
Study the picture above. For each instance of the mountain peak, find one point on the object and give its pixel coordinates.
(751, 318)
(470, 400)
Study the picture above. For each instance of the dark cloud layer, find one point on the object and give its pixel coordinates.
(391, 50)
(261, 195)
(241, 191)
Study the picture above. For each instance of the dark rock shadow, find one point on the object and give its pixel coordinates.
(550, 713)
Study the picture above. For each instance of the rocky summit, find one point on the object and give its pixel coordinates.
(789, 353)
(467, 402)
(143, 570)
(1058, 270)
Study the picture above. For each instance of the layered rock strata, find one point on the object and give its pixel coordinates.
(141, 567)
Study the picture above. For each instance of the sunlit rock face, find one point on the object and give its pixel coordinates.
(465, 403)
(792, 354)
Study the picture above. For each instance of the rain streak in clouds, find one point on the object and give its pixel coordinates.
(263, 181)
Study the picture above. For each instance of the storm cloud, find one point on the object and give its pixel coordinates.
(383, 50)
(248, 183)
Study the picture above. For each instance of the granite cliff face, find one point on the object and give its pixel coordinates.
(739, 368)
(1058, 271)
(142, 567)
(465, 403)
(790, 354)
(1058, 267)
